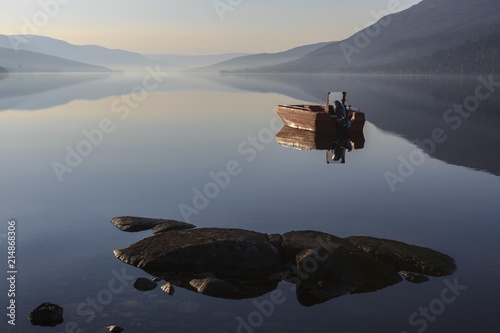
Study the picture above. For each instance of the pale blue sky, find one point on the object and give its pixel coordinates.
(193, 26)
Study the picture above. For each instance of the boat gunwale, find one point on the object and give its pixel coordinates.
(303, 107)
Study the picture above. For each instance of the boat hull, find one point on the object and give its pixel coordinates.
(314, 118)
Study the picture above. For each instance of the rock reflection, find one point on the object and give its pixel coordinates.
(240, 264)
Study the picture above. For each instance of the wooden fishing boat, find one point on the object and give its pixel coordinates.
(321, 118)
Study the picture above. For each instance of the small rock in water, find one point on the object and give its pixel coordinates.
(115, 329)
(47, 314)
(143, 284)
(168, 288)
(135, 224)
(156, 279)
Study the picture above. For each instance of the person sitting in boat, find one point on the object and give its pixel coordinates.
(341, 114)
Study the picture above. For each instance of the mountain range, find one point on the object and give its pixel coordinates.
(423, 30)
(481, 56)
(26, 61)
(434, 36)
(26, 49)
(111, 59)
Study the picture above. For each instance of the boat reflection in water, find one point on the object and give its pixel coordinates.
(334, 128)
(334, 143)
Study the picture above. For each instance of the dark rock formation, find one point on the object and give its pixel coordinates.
(238, 264)
(135, 224)
(225, 252)
(143, 284)
(406, 257)
(47, 314)
(275, 241)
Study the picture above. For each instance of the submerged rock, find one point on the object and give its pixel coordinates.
(231, 288)
(324, 266)
(135, 224)
(406, 257)
(47, 314)
(225, 252)
(143, 284)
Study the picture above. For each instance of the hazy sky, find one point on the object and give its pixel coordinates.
(193, 26)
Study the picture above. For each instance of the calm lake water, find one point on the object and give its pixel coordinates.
(155, 149)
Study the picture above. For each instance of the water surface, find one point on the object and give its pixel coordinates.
(158, 151)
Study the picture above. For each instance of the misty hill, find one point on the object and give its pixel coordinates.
(3, 70)
(416, 32)
(194, 61)
(261, 59)
(114, 59)
(473, 57)
(26, 61)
